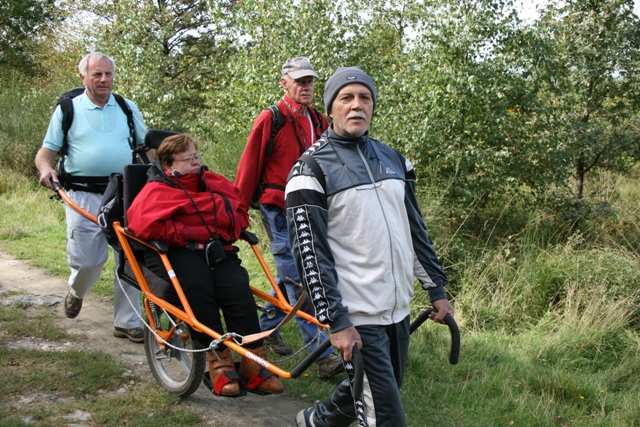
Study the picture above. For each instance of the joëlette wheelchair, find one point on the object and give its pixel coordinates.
(177, 362)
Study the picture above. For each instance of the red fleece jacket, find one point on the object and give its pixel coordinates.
(165, 213)
(286, 150)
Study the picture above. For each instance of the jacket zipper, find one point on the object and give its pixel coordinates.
(395, 284)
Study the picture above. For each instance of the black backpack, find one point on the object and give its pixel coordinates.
(277, 123)
(65, 101)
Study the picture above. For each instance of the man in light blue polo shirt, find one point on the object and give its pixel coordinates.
(97, 145)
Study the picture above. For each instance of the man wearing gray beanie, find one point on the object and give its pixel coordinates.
(358, 240)
(342, 77)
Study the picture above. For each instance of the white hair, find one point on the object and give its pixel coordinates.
(96, 56)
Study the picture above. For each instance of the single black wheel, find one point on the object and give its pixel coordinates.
(177, 371)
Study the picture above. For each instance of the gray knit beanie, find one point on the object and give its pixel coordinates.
(346, 76)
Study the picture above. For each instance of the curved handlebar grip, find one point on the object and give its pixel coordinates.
(56, 185)
(358, 376)
(454, 354)
(455, 339)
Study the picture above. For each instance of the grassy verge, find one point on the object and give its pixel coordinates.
(45, 387)
(549, 335)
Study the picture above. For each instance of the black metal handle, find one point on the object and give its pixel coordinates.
(356, 359)
(453, 328)
(358, 376)
(310, 359)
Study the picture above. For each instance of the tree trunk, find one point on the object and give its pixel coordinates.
(579, 176)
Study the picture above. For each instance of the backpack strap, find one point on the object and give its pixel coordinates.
(66, 105)
(127, 111)
(277, 123)
(316, 169)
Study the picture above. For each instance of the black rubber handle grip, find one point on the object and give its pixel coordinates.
(56, 185)
(358, 377)
(454, 354)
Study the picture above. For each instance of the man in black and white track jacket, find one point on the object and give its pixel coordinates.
(358, 239)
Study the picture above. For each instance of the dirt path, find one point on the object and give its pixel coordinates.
(96, 322)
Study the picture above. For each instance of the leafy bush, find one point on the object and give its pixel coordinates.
(27, 109)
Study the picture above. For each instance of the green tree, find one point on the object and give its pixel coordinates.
(24, 24)
(169, 55)
(266, 34)
(596, 88)
(465, 98)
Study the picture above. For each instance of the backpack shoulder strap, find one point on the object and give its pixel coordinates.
(277, 123)
(317, 170)
(65, 101)
(66, 105)
(127, 111)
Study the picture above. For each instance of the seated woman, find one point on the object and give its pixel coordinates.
(186, 206)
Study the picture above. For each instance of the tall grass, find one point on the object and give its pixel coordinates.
(26, 110)
(515, 290)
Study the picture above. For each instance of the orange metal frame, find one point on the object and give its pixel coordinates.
(186, 314)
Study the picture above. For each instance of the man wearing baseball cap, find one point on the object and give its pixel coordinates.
(358, 241)
(262, 173)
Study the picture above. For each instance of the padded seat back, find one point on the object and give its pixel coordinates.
(134, 178)
(154, 137)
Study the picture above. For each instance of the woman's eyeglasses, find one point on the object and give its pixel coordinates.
(189, 158)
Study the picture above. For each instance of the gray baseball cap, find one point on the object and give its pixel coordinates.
(298, 67)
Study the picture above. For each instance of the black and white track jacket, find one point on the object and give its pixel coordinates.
(359, 242)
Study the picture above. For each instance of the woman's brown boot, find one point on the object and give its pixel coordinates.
(222, 372)
(259, 379)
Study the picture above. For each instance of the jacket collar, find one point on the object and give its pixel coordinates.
(157, 173)
(294, 108)
(360, 141)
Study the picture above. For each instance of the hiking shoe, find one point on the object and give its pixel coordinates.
(72, 306)
(134, 334)
(305, 418)
(328, 366)
(276, 345)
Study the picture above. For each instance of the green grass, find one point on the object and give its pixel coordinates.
(73, 380)
(549, 333)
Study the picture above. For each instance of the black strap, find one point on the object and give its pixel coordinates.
(97, 189)
(90, 184)
(127, 111)
(96, 180)
(274, 186)
(66, 105)
(277, 123)
(316, 169)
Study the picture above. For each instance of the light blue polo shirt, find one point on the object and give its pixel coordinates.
(98, 140)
